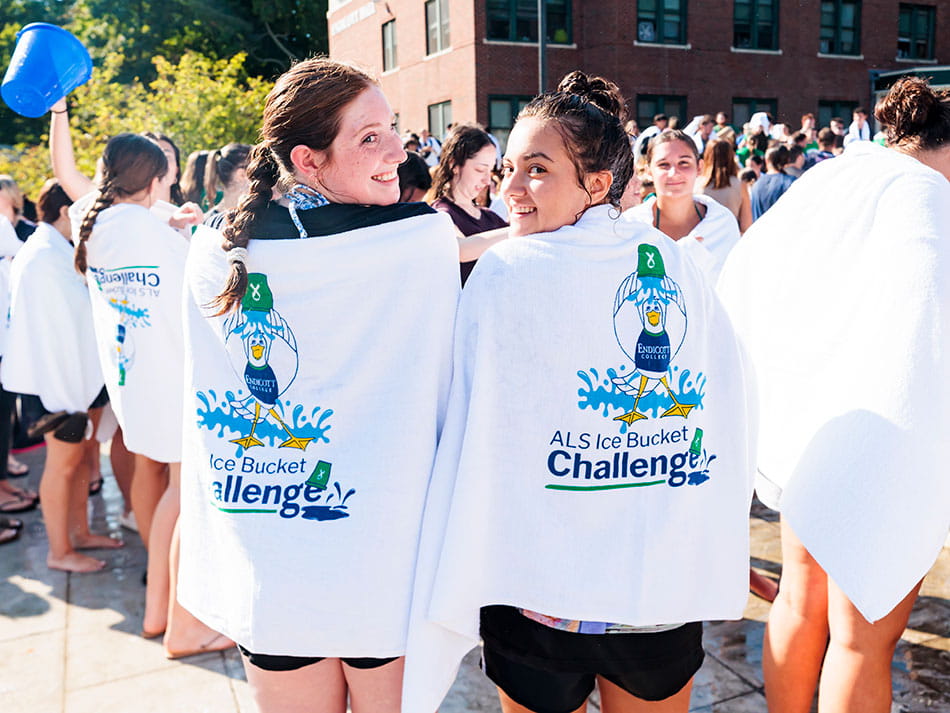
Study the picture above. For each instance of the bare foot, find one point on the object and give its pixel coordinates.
(74, 562)
(186, 645)
(90, 541)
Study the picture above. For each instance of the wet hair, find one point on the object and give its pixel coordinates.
(130, 163)
(175, 191)
(668, 137)
(589, 113)
(304, 108)
(719, 164)
(9, 187)
(826, 138)
(51, 201)
(413, 174)
(222, 165)
(915, 115)
(777, 157)
(465, 141)
(193, 179)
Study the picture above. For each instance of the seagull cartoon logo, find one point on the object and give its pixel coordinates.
(650, 325)
(263, 351)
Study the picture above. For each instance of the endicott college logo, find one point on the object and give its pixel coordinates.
(263, 352)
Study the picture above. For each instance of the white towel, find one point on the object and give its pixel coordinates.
(9, 245)
(351, 336)
(540, 497)
(718, 230)
(842, 293)
(51, 351)
(135, 269)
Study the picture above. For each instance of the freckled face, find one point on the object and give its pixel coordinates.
(540, 185)
(363, 158)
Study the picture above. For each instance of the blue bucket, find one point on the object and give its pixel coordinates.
(47, 64)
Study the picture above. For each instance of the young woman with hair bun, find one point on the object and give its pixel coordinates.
(841, 292)
(569, 533)
(134, 264)
(226, 175)
(319, 330)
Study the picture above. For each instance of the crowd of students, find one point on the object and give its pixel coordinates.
(355, 470)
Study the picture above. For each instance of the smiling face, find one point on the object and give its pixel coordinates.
(540, 186)
(674, 169)
(473, 176)
(360, 165)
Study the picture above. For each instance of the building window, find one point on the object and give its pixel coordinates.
(440, 116)
(661, 21)
(840, 27)
(502, 112)
(517, 20)
(437, 26)
(830, 109)
(915, 32)
(755, 25)
(743, 108)
(649, 105)
(389, 46)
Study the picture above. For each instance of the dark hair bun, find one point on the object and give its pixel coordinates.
(913, 112)
(600, 92)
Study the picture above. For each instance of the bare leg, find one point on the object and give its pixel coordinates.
(123, 465)
(797, 631)
(856, 677)
(148, 484)
(186, 635)
(375, 690)
(56, 487)
(318, 688)
(509, 706)
(613, 699)
(87, 469)
(157, 585)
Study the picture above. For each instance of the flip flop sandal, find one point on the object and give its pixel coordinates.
(95, 486)
(19, 505)
(11, 523)
(8, 536)
(17, 469)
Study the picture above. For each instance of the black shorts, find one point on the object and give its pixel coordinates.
(101, 400)
(553, 671)
(269, 662)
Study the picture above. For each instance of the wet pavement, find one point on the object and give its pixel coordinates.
(71, 644)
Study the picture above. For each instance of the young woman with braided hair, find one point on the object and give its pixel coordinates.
(134, 264)
(318, 335)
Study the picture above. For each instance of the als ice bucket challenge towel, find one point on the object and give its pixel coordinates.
(311, 423)
(597, 462)
(135, 270)
(51, 351)
(844, 303)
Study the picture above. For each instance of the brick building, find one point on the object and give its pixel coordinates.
(456, 60)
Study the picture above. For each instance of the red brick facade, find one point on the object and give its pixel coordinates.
(706, 70)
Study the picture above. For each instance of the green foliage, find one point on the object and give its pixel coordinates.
(199, 102)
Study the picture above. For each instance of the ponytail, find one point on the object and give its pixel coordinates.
(211, 177)
(262, 173)
(105, 199)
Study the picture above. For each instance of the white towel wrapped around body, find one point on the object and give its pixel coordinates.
(313, 413)
(541, 496)
(842, 294)
(709, 242)
(51, 350)
(135, 269)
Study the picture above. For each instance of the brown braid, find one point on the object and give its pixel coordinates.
(303, 109)
(262, 173)
(105, 199)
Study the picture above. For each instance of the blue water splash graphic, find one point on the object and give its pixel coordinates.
(601, 394)
(136, 316)
(218, 415)
(328, 511)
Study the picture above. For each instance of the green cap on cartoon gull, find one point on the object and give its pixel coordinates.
(258, 297)
(650, 262)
